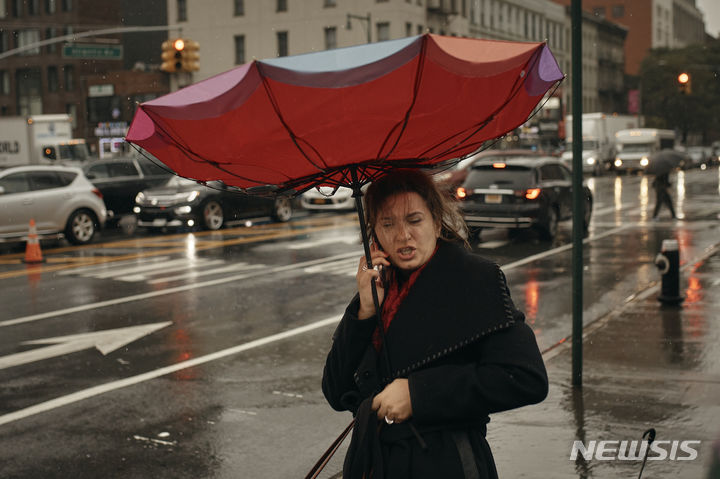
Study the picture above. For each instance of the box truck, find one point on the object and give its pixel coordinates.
(636, 146)
(39, 139)
(598, 140)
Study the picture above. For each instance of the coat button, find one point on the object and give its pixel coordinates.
(366, 374)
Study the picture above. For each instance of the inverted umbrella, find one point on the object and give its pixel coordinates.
(343, 117)
(664, 161)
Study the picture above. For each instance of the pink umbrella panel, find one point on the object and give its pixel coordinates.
(309, 120)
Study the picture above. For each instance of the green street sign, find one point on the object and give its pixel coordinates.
(93, 51)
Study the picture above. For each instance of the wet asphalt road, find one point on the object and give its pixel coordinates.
(210, 389)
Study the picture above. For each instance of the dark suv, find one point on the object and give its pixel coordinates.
(519, 193)
(121, 179)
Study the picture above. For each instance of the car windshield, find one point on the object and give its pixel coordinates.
(74, 152)
(180, 181)
(636, 147)
(511, 177)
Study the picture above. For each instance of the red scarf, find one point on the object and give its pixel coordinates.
(394, 296)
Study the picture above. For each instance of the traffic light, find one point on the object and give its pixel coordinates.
(684, 85)
(172, 55)
(191, 56)
(180, 55)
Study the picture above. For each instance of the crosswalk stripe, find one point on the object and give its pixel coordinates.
(206, 272)
(80, 270)
(182, 266)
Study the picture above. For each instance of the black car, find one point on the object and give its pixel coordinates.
(519, 193)
(120, 179)
(185, 203)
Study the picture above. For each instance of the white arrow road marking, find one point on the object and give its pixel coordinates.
(105, 341)
(122, 383)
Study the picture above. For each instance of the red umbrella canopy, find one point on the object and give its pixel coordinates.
(309, 120)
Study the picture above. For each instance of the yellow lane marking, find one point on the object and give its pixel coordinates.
(147, 254)
(11, 261)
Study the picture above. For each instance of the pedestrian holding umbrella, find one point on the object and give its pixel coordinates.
(660, 165)
(348, 117)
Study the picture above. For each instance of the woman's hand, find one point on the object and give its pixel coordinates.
(365, 277)
(393, 402)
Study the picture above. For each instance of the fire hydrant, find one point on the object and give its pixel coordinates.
(668, 262)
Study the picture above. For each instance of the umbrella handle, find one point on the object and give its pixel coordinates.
(358, 194)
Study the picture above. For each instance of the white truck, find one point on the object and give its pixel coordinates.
(598, 130)
(635, 146)
(39, 139)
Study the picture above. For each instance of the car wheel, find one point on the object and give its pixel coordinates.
(81, 227)
(282, 209)
(548, 230)
(213, 217)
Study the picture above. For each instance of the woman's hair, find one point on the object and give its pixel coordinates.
(444, 209)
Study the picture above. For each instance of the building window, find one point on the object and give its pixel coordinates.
(329, 3)
(239, 8)
(282, 5)
(420, 30)
(17, 8)
(408, 29)
(4, 82)
(383, 31)
(330, 38)
(4, 41)
(69, 72)
(618, 11)
(282, 44)
(599, 11)
(50, 6)
(34, 7)
(67, 5)
(53, 79)
(51, 32)
(28, 37)
(239, 49)
(380, 1)
(71, 109)
(182, 10)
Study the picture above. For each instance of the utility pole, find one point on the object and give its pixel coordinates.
(577, 193)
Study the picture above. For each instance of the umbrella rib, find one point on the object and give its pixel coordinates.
(479, 126)
(195, 157)
(295, 139)
(416, 88)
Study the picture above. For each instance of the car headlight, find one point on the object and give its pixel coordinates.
(140, 197)
(192, 196)
(618, 162)
(591, 160)
(644, 161)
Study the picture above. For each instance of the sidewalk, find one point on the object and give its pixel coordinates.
(645, 365)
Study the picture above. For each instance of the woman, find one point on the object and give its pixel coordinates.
(458, 349)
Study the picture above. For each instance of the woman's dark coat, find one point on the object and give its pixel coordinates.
(466, 352)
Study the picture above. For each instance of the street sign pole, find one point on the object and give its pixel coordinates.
(578, 193)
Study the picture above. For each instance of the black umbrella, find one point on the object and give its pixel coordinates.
(664, 161)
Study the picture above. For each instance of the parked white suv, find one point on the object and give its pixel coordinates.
(60, 199)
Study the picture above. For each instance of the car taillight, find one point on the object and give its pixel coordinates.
(461, 193)
(532, 193)
(97, 193)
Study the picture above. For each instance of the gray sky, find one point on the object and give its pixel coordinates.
(711, 9)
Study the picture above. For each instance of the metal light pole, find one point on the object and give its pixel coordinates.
(577, 191)
(366, 18)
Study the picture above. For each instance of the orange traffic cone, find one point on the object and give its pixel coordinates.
(33, 254)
